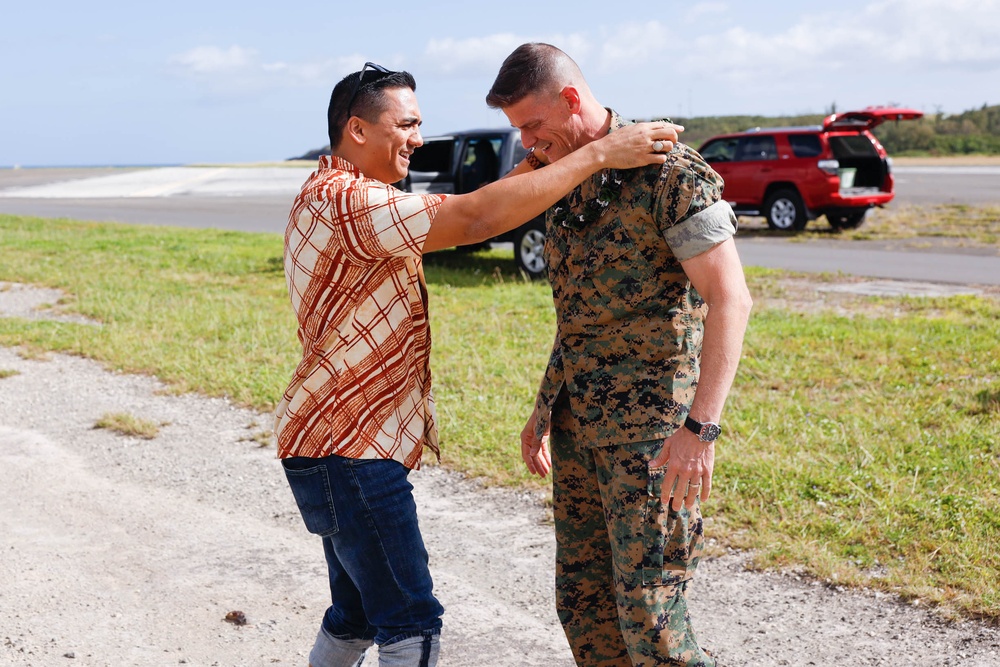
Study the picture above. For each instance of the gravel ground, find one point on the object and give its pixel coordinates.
(128, 552)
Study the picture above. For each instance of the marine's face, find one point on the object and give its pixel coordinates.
(547, 124)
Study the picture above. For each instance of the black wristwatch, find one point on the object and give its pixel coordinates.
(706, 432)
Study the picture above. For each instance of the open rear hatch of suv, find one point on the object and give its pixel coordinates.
(868, 118)
(863, 171)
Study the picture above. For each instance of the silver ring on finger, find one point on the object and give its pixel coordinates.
(657, 146)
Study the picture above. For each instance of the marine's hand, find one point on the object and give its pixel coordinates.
(638, 145)
(689, 464)
(535, 451)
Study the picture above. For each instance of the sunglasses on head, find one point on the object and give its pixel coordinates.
(380, 72)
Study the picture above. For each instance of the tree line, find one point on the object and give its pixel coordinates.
(976, 131)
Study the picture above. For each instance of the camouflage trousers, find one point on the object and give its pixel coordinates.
(623, 559)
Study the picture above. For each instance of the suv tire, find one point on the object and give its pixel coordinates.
(847, 220)
(529, 239)
(785, 211)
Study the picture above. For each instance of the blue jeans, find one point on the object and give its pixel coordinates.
(380, 583)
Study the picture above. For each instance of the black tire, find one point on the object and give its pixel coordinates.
(785, 211)
(529, 240)
(847, 219)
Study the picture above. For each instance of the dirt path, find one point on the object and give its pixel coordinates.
(127, 552)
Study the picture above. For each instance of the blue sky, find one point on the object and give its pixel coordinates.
(104, 83)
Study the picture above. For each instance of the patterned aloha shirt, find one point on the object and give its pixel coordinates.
(355, 277)
(629, 323)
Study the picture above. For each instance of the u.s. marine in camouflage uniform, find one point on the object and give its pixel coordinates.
(651, 308)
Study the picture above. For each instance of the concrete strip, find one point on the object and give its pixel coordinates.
(899, 288)
(184, 183)
(172, 181)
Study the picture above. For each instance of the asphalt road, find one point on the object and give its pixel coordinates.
(258, 199)
(947, 185)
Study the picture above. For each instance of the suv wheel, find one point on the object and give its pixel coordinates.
(847, 220)
(529, 240)
(785, 211)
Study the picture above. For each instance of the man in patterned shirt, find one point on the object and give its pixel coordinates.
(359, 411)
(651, 307)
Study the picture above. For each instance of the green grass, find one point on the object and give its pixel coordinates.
(862, 449)
(203, 310)
(867, 450)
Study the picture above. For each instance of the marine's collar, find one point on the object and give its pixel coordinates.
(589, 200)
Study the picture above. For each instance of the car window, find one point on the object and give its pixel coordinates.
(480, 164)
(805, 145)
(757, 148)
(434, 155)
(852, 145)
(721, 150)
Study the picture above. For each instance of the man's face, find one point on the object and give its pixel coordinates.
(547, 123)
(393, 137)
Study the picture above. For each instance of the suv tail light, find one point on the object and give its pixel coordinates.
(829, 166)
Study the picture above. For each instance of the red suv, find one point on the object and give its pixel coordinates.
(791, 175)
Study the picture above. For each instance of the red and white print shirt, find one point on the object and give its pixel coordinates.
(355, 277)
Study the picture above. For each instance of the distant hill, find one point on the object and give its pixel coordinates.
(975, 131)
(314, 154)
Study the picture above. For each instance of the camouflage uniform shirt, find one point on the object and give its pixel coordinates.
(629, 323)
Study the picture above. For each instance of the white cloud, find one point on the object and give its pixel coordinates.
(237, 70)
(635, 45)
(482, 56)
(938, 32)
(213, 59)
(887, 39)
(470, 55)
(702, 9)
(799, 61)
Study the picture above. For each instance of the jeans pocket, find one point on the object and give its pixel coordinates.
(672, 541)
(311, 488)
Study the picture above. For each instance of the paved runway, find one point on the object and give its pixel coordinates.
(165, 182)
(258, 199)
(253, 199)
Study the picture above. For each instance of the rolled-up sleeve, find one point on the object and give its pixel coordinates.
(688, 205)
(702, 231)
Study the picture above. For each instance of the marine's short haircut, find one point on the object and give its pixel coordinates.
(532, 68)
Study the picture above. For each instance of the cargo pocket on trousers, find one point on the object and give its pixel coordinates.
(672, 541)
(311, 488)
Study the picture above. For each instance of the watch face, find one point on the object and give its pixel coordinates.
(710, 432)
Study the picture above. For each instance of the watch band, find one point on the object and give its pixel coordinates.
(533, 160)
(707, 432)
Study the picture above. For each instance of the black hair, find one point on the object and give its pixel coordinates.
(369, 99)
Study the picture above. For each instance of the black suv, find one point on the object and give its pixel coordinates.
(460, 162)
